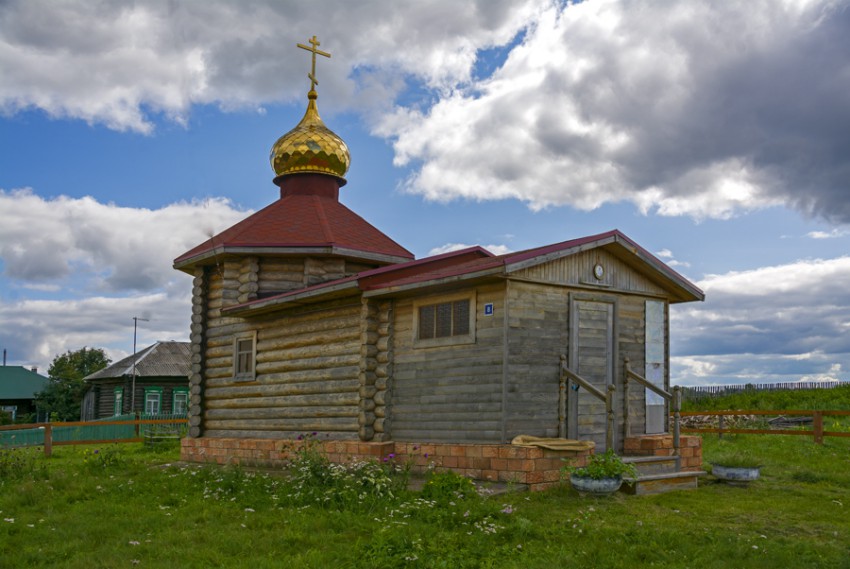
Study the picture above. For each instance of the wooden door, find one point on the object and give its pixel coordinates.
(592, 356)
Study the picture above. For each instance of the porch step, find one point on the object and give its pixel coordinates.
(660, 483)
(647, 465)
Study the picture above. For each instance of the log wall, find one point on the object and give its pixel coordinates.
(307, 361)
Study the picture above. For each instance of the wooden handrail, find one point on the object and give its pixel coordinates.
(675, 400)
(606, 397)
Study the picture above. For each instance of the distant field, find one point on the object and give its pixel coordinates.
(125, 506)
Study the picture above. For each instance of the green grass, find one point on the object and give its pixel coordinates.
(126, 506)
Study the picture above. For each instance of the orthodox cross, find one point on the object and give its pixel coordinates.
(314, 50)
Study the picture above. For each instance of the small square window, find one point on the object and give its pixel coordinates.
(244, 357)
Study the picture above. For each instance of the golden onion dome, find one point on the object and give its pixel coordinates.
(310, 147)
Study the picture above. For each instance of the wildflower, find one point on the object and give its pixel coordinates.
(133, 542)
(10, 520)
(249, 509)
(508, 509)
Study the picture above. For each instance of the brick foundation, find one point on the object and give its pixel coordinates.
(537, 468)
(690, 449)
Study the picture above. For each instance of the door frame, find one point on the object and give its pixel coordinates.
(572, 354)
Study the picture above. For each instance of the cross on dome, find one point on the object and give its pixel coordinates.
(314, 49)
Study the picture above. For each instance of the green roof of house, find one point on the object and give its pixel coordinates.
(17, 382)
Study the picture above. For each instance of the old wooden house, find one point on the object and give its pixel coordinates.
(161, 384)
(306, 318)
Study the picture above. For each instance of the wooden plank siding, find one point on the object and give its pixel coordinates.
(537, 319)
(538, 308)
(578, 270)
(449, 393)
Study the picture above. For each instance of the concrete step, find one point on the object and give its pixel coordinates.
(660, 483)
(652, 464)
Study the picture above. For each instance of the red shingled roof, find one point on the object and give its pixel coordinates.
(302, 221)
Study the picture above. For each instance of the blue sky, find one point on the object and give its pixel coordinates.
(715, 136)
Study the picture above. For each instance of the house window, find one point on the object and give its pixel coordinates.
(153, 400)
(180, 401)
(244, 356)
(444, 321)
(118, 408)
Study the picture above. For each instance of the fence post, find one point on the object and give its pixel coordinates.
(48, 440)
(817, 421)
(720, 422)
(136, 424)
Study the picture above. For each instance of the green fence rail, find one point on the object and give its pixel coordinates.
(112, 429)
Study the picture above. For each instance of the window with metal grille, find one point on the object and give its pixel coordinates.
(444, 320)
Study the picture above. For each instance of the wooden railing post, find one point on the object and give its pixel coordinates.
(48, 440)
(817, 424)
(136, 424)
(627, 428)
(609, 408)
(720, 422)
(562, 399)
(677, 417)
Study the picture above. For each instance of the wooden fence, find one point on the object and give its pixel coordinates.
(817, 431)
(697, 392)
(89, 432)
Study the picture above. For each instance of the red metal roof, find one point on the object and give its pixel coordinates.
(476, 262)
(302, 221)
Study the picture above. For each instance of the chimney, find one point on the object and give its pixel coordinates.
(34, 369)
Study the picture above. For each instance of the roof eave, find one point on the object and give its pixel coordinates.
(206, 257)
(290, 300)
(438, 282)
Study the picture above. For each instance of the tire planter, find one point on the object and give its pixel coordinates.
(596, 486)
(735, 474)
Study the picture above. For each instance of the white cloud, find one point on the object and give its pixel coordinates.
(117, 248)
(449, 247)
(98, 265)
(700, 109)
(777, 323)
(120, 64)
(833, 234)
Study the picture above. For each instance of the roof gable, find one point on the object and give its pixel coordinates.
(17, 382)
(163, 359)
